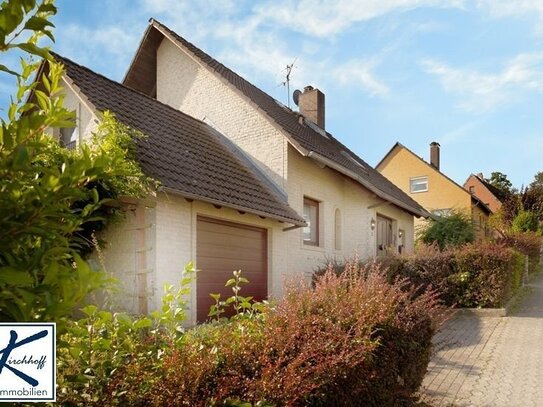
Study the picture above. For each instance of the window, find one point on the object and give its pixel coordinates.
(311, 216)
(68, 137)
(337, 221)
(418, 184)
(471, 189)
(442, 212)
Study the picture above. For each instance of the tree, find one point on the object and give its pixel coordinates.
(525, 221)
(538, 180)
(47, 194)
(532, 197)
(502, 183)
(454, 229)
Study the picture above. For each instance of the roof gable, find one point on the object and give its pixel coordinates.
(303, 136)
(489, 187)
(186, 155)
(398, 146)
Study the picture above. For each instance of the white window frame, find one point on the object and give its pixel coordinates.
(313, 224)
(418, 180)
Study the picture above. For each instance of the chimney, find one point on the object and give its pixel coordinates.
(481, 176)
(311, 103)
(434, 154)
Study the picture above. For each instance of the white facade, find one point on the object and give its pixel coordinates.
(168, 225)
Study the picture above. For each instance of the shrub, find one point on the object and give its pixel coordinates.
(488, 274)
(454, 229)
(525, 221)
(527, 243)
(49, 196)
(354, 338)
(474, 275)
(351, 339)
(96, 347)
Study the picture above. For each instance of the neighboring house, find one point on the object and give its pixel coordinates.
(427, 185)
(246, 183)
(492, 197)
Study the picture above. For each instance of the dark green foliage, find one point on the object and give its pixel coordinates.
(455, 229)
(502, 183)
(525, 221)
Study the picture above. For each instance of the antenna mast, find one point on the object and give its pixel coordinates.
(287, 80)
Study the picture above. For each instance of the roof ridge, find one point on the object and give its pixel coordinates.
(302, 136)
(57, 55)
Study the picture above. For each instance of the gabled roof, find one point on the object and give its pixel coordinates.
(305, 137)
(399, 145)
(186, 155)
(491, 188)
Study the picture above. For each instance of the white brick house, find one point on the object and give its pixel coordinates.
(281, 170)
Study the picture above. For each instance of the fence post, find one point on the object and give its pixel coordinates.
(526, 269)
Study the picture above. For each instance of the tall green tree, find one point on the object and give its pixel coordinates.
(502, 183)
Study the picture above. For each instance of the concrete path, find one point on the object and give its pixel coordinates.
(494, 362)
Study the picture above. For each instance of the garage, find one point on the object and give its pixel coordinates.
(222, 247)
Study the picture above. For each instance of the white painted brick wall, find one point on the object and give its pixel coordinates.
(85, 118)
(172, 237)
(176, 243)
(335, 191)
(187, 86)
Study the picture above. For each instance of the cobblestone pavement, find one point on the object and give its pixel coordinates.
(494, 362)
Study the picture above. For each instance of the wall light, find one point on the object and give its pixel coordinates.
(372, 224)
(400, 234)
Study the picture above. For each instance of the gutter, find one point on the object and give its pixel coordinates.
(329, 163)
(233, 206)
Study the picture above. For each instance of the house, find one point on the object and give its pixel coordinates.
(492, 197)
(245, 182)
(427, 185)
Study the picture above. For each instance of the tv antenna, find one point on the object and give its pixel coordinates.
(286, 82)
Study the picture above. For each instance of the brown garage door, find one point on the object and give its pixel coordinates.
(222, 247)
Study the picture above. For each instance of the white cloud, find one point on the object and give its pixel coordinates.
(514, 8)
(459, 133)
(360, 72)
(506, 8)
(109, 45)
(484, 92)
(323, 18)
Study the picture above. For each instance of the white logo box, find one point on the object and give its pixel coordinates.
(27, 362)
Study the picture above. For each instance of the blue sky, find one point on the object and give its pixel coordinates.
(468, 74)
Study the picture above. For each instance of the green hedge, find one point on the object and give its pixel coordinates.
(484, 275)
(351, 340)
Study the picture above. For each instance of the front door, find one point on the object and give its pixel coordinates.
(384, 235)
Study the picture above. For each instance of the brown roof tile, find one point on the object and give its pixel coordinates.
(185, 154)
(299, 132)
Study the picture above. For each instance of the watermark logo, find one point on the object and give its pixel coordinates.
(27, 362)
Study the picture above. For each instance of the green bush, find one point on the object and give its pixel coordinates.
(94, 348)
(352, 339)
(482, 275)
(525, 221)
(51, 199)
(455, 229)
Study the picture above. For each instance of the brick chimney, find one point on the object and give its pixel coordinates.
(311, 104)
(434, 154)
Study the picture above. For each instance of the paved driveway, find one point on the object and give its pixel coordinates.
(494, 362)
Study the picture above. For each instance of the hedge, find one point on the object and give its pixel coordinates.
(353, 339)
(484, 275)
